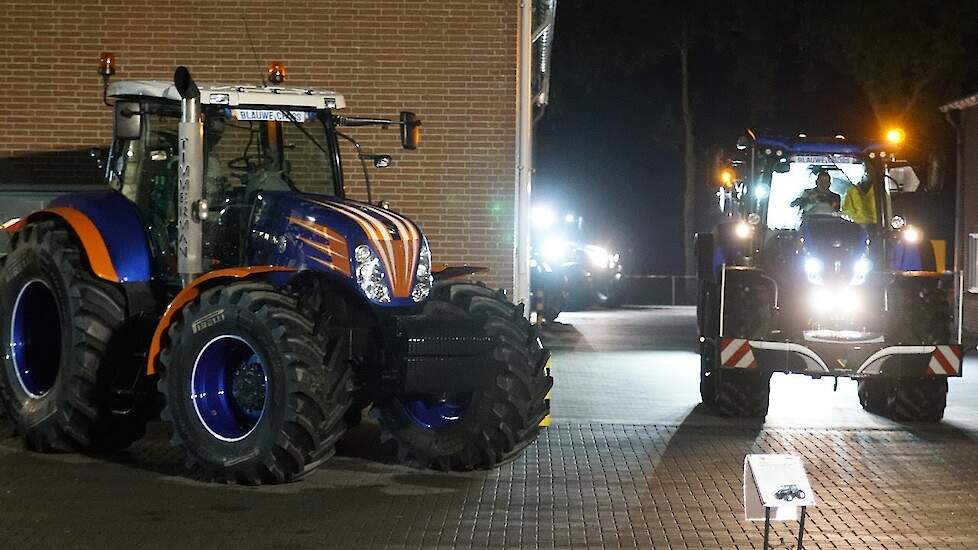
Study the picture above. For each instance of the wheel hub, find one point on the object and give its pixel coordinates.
(436, 413)
(35, 338)
(229, 387)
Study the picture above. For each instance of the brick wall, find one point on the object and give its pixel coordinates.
(453, 63)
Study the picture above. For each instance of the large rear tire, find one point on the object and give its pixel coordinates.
(255, 392)
(61, 326)
(493, 424)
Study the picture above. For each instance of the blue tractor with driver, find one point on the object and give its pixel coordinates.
(224, 271)
(856, 291)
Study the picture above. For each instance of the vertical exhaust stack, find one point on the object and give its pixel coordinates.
(191, 178)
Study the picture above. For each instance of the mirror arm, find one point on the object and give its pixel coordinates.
(363, 121)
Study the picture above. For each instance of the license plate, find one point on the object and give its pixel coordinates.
(279, 116)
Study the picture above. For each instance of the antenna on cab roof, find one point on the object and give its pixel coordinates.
(251, 42)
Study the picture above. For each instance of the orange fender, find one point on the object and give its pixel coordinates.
(89, 235)
(191, 292)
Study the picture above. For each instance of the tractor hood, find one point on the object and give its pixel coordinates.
(836, 243)
(323, 233)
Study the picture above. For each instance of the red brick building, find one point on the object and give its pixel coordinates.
(453, 63)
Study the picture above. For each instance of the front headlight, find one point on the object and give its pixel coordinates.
(370, 275)
(422, 286)
(813, 270)
(554, 250)
(911, 234)
(860, 270)
(598, 256)
(847, 301)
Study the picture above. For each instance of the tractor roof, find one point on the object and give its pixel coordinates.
(232, 95)
(819, 145)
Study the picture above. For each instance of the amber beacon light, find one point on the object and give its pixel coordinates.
(276, 72)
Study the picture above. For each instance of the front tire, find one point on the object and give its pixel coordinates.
(905, 399)
(493, 424)
(254, 392)
(742, 393)
(62, 326)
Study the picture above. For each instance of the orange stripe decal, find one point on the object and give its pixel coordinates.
(339, 262)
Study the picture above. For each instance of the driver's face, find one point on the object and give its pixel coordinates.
(822, 181)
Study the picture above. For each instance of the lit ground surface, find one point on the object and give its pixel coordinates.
(631, 461)
(641, 365)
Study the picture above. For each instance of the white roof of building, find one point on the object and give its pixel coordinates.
(225, 94)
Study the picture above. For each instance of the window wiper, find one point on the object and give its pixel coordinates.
(305, 132)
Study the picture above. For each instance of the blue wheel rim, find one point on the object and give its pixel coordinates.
(35, 338)
(434, 414)
(229, 388)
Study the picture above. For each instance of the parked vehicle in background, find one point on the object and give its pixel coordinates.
(567, 273)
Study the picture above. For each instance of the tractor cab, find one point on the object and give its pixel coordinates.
(247, 148)
(774, 190)
(256, 141)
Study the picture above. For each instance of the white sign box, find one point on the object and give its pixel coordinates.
(778, 482)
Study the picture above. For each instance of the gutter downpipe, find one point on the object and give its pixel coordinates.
(524, 158)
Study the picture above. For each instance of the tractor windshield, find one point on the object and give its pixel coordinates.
(789, 188)
(263, 149)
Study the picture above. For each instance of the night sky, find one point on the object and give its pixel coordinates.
(609, 145)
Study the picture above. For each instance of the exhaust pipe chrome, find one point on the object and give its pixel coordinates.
(190, 186)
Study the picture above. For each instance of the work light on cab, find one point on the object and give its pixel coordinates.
(896, 136)
(727, 177)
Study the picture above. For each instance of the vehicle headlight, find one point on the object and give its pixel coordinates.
(599, 257)
(742, 230)
(554, 250)
(813, 270)
(424, 280)
(542, 216)
(860, 270)
(845, 300)
(911, 234)
(370, 275)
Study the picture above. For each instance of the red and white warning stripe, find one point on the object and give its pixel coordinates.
(945, 360)
(736, 353)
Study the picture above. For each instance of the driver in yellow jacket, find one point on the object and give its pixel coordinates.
(860, 202)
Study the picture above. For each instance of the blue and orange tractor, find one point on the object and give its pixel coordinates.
(223, 280)
(815, 270)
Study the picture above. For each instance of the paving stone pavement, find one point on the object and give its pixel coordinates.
(578, 486)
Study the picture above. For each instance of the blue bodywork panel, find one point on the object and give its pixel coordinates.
(818, 146)
(287, 230)
(121, 228)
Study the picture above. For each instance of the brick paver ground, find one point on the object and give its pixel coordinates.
(580, 485)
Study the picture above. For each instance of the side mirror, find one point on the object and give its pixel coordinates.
(410, 131)
(128, 122)
(380, 161)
